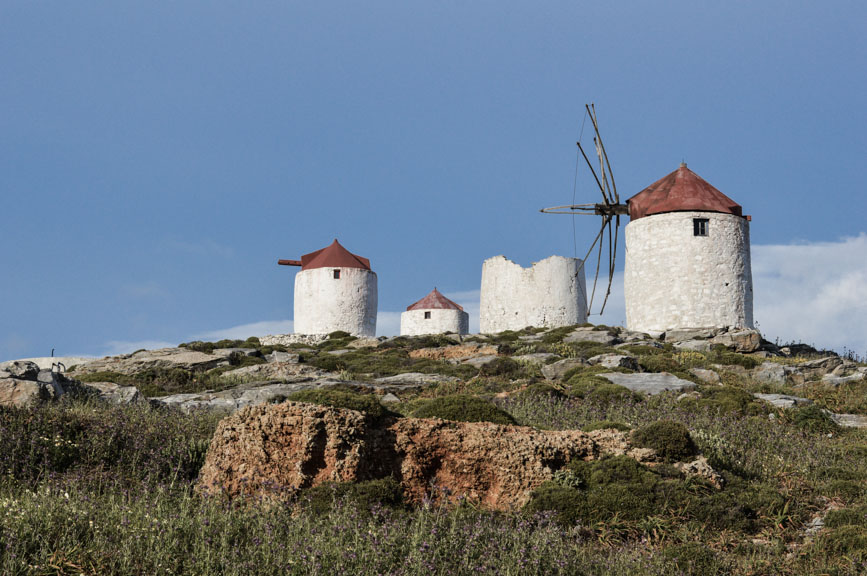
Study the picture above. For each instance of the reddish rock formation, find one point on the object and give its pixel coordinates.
(458, 352)
(495, 465)
(279, 449)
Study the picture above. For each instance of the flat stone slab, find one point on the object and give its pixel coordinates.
(834, 381)
(535, 357)
(614, 361)
(709, 376)
(783, 400)
(850, 420)
(410, 379)
(693, 345)
(647, 383)
(161, 358)
(557, 370)
(479, 361)
(591, 335)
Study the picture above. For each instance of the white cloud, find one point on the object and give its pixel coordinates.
(244, 331)
(813, 292)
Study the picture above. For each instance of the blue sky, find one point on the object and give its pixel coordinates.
(156, 159)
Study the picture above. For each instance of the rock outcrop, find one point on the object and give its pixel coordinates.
(161, 358)
(276, 450)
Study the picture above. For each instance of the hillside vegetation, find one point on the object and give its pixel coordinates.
(93, 487)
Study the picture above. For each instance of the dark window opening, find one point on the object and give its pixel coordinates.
(337, 274)
(699, 226)
(427, 315)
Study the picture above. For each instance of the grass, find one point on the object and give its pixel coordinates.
(90, 488)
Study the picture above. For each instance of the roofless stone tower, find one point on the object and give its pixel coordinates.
(687, 257)
(434, 314)
(335, 290)
(549, 294)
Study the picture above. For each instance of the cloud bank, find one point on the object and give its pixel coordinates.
(814, 293)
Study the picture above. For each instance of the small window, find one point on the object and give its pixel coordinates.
(699, 226)
(337, 274)
(427, 315)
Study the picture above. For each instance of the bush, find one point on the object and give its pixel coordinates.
(463, 408)
(670, 440)
(540, 390)
(812, 419)
(694, 558)
(847, 517)
(720, 355)
(727, 399)
(848, 540)
(568, 503)
(364, 495)
(503, 367)
(366, 403)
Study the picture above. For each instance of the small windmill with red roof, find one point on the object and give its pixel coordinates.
(335, 291)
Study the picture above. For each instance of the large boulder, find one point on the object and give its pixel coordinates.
(744, 341)
(276, 450)
(20, 392)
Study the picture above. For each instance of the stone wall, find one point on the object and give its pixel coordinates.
(324, 304)
(550, 293)
(674, 279)
(414, 323)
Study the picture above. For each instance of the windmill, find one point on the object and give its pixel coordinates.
(610, 209)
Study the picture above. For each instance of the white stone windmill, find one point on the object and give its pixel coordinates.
(335, 290)
(687, 250)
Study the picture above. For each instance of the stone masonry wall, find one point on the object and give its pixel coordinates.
(324, 304)
(550, 293)
(674, 279)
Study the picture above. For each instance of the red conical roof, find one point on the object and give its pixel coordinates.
(333, 256)
(682, 190)
(435, 300)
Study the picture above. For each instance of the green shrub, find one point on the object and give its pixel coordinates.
(568, 503)
(540, 390)
(670, 440)
(694, 558)
(849, 490)
(503, 367)
(848, 540)
(727, 399)
(606, 425)
(463, 408)
(847, 517)
(720, 355)
(556, 335)
(364, 495)
(724, 511)
(658, 363)
(812, 419)
(367, 403)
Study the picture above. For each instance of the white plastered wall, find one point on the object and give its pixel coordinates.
(549, 294)
(674, 279)
(324, 304)
(414, 323)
